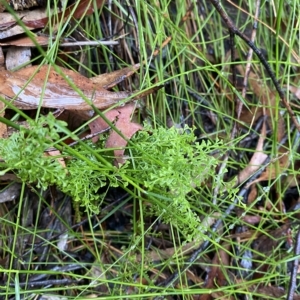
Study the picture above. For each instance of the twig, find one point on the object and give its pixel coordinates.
(58, 269)
(233, 29)
(88, 43)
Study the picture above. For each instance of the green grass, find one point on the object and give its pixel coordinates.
(138, 222)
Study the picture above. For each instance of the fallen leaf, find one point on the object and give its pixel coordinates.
(251, 220)
(56, 153)
(99, 124)
(109, 80)
(56, 92)
(37, 18)
(3, 127)
(253, 193)
(127, 128)
(123, 124)
(26, 87)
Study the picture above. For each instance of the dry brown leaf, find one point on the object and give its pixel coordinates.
(109, 80)
(56, 93)
(38, 18)
(252, 194)
(56, 153)
(127, 128)
(252, 220)
(99, 124)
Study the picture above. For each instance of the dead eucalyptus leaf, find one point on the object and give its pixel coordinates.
(109, 80)
(123, 123)
(56, 92)
(127, 128)
(99, 124)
